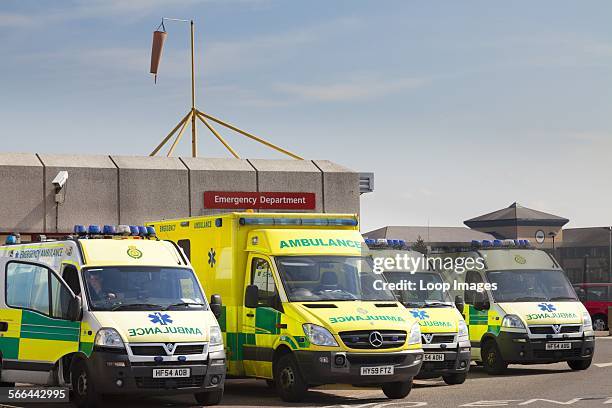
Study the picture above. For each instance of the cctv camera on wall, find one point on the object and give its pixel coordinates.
(60, 180)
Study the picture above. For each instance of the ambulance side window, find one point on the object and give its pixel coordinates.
(60, 297)
(261, 276)
(27, 287)
(185, 245)
(472, 277)
(71, 277)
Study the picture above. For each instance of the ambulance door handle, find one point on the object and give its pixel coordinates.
(3, 326)
(250, 315)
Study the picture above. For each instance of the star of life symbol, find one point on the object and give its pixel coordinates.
(161, 318)
(419, 314)
(211, 257)
(547, 307)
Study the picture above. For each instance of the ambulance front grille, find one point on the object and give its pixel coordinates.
(549, 329)
(360, 339)
(159, 350)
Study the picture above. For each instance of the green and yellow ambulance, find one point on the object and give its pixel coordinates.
(520, 307)
(426, 295)
(108, 312)
(299, 308)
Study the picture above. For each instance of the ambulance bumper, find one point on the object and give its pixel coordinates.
(455, 362)
(112, 373)
(320, 368)
(518, 348)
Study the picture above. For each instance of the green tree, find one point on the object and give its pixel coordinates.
(420, 246)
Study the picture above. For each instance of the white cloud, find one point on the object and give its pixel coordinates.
(359, 87)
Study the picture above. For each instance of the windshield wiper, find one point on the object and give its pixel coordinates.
(125, 306)
(187, 304)
(436, 303)
(413, 304)
(528, 298)
(563, 298)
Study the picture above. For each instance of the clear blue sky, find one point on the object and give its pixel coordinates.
(460, 108)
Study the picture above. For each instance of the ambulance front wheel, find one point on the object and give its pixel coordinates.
(209, 398)
(579, 365)
(454, 379)
(492, 359)
(397, 390)
(83, 388)
(290, 384)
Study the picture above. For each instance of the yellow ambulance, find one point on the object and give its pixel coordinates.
(299, 308)
(520, 307)
(111, 311)
(426, 295)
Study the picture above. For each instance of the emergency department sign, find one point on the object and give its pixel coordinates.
(259, 200)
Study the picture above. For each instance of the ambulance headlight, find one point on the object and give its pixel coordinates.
(319, 336)
(512, 322)
(216, 338)
(108, 338)
(463, 331)
(587, 323)
(415, 334)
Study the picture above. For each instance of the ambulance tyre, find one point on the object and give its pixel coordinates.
(290, 385)
(578, 365)
(492, 359)
(84, 393)
(454, 379)
(209, 398)
(397, 390)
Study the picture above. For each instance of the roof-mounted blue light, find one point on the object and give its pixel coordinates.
(134, 230)
(142, 231)
(370, 241)
(80, 229)
(151, 231)
(93, 230)
(109, 230)
(476, 243)
(497, 243)
(486, 243)
(352, 222)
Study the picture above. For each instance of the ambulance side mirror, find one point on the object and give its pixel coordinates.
(75, 309)
(251, 296)
(481, 301)
(216, 305)
(459, 303)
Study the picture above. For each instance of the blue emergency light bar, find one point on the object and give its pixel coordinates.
(122, 230)
(349, 222)
(501, 243)
(386, 243)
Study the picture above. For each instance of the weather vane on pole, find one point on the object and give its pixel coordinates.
(159, 37)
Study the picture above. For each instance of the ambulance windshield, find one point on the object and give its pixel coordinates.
(420, 289)
(142, 288)
(325, 278)
(530, 286)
